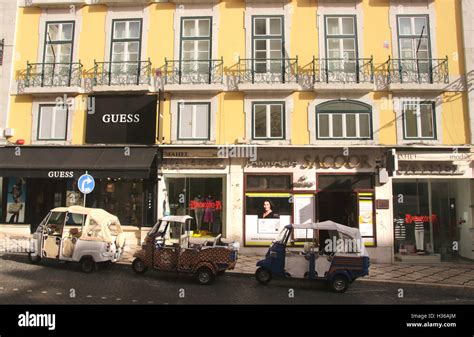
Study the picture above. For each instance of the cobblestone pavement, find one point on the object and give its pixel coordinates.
(51, 282)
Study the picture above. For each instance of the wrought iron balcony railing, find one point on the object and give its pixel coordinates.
(53, 74)
(343, 70)
(122, 73)
(284, 70)
(194, 71)
(417, 70)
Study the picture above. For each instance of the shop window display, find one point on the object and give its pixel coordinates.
(424, 217)
(202, 199)
(267, 210)
(121, 198)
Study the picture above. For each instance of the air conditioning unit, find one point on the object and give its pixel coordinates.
(9, 132)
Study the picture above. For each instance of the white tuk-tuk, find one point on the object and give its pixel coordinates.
(79, 234)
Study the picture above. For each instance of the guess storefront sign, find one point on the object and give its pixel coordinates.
(122, 119)
(61, 174)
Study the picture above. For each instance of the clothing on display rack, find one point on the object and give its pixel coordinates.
(198, 211)
(400, 229)
(209, 215)
(419, 235)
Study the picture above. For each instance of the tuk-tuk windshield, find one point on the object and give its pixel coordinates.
(158, 228)
(283, 236)
(56, 218)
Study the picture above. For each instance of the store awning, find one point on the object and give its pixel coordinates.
(72, 162)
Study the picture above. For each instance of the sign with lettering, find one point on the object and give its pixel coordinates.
(324, 161)
(428, 168)
(61, 174)
(122, 119)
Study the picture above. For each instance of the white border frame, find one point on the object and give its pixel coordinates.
(413, 7)
(398, 108)
(35, 115)
(193, 10)
(268, 9)
(59, 14)
(127, 12)
(328, 7)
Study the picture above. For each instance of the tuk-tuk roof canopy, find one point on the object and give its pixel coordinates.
(176, 218)
(329, 225)
(98, 221)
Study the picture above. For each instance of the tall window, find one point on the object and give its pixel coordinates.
(419, 120)
(126, 46)
(58, 47)
(196, 44)
(341, 43)
(194, 121)
(344, 120)
(268, 120)
(267, 44)
(52, 123)
(414, 42)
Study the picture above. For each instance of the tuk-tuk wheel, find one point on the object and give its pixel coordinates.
(33, 258)
(138, 266)
(205, 276)
(339, 283)
(88, 265)
(263, 276)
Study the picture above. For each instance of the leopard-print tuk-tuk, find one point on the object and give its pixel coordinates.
(167, 247)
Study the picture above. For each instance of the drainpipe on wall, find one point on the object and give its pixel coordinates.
(467, 19)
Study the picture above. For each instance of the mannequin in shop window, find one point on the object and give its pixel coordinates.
(400, 231)
(209, 215)
(419, 234)
(198, 211)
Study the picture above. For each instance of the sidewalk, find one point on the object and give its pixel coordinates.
(444, 273)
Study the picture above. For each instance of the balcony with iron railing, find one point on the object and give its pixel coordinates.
(193, 75)
(49, 78)
(343, 74)
(276, 74)
(417, 74)
(122, 76)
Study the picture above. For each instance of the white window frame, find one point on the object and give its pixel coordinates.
(71, 111)
(418, 105)
(268, 120)
(194, 98)
(52, 136)
(55, 15)
(195, 61)
(194, 118)
(344, 125)
(48, 43)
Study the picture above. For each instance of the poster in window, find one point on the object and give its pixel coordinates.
(304, 213)
(265, 216)
(366, 214)
(16, 195)
(73, 196)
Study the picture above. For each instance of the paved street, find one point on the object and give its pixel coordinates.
(53, 283)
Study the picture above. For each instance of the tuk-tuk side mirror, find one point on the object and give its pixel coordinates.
(292, 242)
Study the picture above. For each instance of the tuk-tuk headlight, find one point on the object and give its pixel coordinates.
(273, 254)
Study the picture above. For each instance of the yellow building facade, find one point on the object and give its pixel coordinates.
(333, 109)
